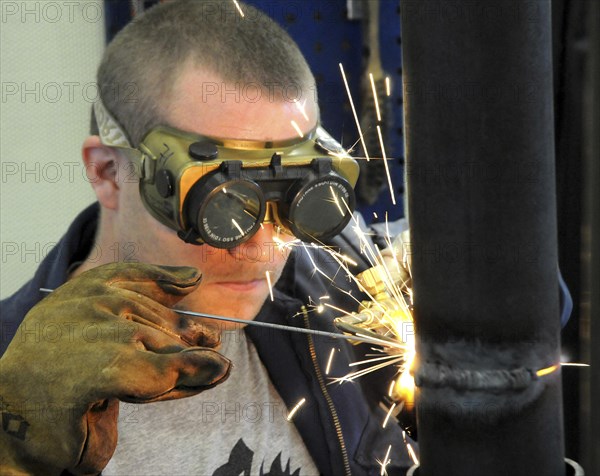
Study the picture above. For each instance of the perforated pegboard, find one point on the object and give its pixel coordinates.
(327, 37)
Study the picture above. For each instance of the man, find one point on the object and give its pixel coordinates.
(201, 69)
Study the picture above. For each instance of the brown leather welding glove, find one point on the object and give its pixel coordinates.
(104, 336)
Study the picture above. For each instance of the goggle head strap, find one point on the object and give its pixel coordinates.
(109, 130)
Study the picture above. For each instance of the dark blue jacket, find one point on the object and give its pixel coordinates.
(339, 425)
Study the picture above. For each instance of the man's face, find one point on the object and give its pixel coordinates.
(234, 281)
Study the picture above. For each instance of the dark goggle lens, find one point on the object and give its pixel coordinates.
(321, 209)
(231, 213)
(226, 207)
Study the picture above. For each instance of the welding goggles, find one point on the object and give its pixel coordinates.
(220, 192)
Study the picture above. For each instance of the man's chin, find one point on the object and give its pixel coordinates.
(226, 304)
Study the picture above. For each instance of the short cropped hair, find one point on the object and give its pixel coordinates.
(141, 64)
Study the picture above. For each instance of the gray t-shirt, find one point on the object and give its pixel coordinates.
(236, 428)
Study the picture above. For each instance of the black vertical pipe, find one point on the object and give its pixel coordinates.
(481, 191)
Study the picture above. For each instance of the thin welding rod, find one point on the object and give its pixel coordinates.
(269, 325)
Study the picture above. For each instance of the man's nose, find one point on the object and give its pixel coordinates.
(264, 246)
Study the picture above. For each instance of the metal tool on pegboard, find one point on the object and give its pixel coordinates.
(355, 9)
(376, 114)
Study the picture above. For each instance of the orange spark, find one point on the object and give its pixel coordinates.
(237, 5)
(328, 368)
(298, 130)
(412, 453)
(302, 108)
(236, 224)
(389, 414)
(386, 461)
(268, 275)
(375, 98)
(546, 371)
(362, 139)
(295, 409)
(387, 169)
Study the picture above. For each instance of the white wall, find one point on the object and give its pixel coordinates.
(49, 51)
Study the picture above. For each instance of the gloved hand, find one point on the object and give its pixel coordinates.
(106, 335)
(397, 260)
(387, 317)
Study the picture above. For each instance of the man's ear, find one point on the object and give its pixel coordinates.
(101, 165)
